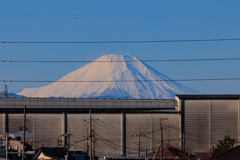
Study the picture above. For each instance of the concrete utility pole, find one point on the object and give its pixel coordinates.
(24, 128)
(139, 146)
(146, 158)
(161, 137)
(139, 141)
(90, 127)
(6, 146)
(87, 141)
(93, 135)
(68, 141)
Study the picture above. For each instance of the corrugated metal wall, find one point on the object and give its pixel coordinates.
(134, 122)
(169, 133)
(2, 121)
(84, 103)
(107, 130)
(149, 125)
(205, 122)
(47, 129)
(197, 125)
(79, 126)
(224, 119)
(111, 131)
(208, 121)
(15, 125)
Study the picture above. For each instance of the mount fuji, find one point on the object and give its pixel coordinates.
(112, 76)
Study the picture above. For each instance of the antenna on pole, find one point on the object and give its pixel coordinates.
(5, 92)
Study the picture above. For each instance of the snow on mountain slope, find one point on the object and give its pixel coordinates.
(108, 72)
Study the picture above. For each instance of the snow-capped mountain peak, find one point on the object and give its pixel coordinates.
(112, 76)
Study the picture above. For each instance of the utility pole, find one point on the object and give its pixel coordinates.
(139, 141)
(87, 141)
(139, 147)
(24, 127)
(233, 140)
(68, 141)
(146, 158)
(6, 146)
(93, 135)
(161, 137)
(90, 127)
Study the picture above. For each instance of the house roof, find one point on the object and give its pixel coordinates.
(219, 151)
(203, 155)
(53, 152)
(169, 152)
(233, 153)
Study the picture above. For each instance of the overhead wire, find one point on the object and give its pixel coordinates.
(127, 41)
(138, 80)
(76, 16)
(97, 61)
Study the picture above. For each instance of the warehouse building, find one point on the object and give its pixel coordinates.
(116, 123)
(206, 119)
(123, 127)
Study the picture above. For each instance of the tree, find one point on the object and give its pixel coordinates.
(227, 142)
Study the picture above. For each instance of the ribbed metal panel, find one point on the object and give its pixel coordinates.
(208, 121)
(171, 130)
(110, 134)
(107, 129)
(2, 124)
(79, 126)
(84, 103)
(47, 129)
(197, 125)
(224, 119)
(149, 126)
(133, 123)
(15, 122)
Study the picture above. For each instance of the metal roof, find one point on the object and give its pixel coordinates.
(224, 96)
(57, 105)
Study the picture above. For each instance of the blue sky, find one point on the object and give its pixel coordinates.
(54, 21)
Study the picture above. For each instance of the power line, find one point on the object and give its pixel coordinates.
(151, 60)
(109, 42)
(139, 80)
(75, 16)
